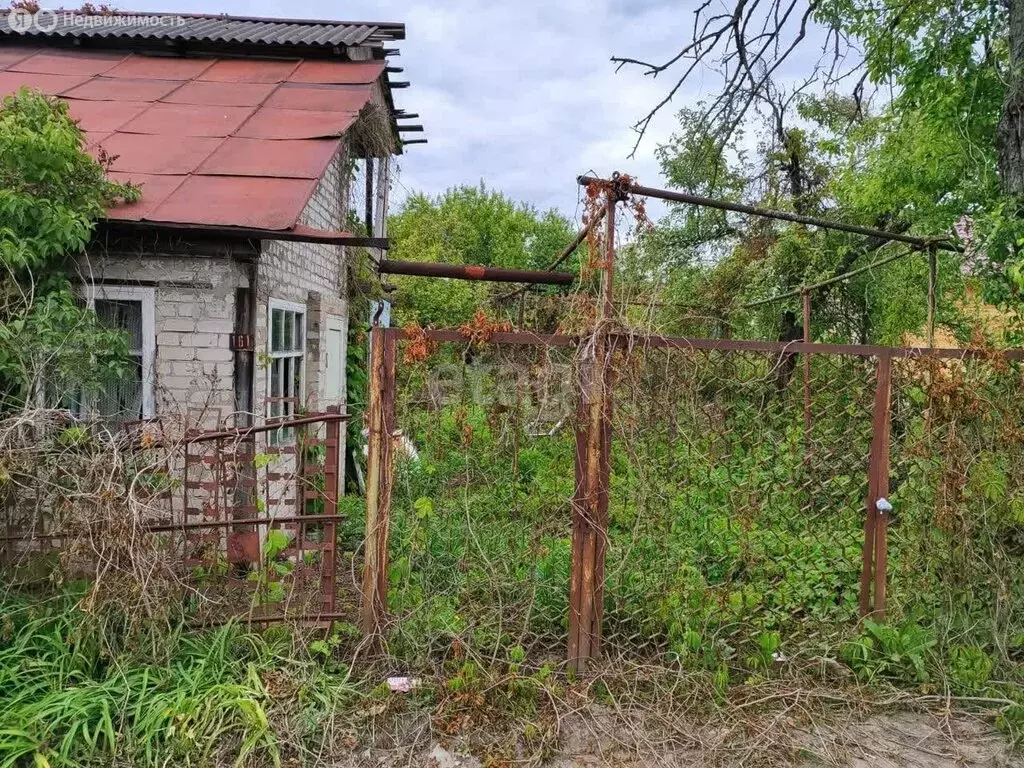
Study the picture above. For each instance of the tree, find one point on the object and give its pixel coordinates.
(51, 194)
(909, 121)
(909, 47)
(826, 156)
(467, 225)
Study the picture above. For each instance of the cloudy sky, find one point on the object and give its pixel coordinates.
(520, 94)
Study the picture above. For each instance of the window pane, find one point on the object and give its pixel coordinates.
(296, 383)
(286, 376)
(298, 331)
(276, 330)
(124, 316)
(275, 377)
(289, 338)
(120, 398)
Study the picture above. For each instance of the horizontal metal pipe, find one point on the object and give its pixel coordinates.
(568, 251)
(768, 213)
(280, 617)
(297, 235)
(474, 272)
(830, 281)
(726, 345)
(241, 432)
(509, 337)
(814, 348)
(311, 519)
(165, 527)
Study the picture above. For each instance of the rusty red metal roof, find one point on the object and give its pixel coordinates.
(213, 142)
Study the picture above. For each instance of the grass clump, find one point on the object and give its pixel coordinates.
(70, 694)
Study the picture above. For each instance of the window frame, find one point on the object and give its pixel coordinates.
(301, 355)
(146, 295)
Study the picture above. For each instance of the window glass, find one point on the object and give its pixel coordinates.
(287, 360)
(276, 330)
(120, 397)
(124, 316)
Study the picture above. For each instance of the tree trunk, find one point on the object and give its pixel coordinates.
(1010, 134)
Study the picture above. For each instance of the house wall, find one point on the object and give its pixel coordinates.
(194, 314)
(310, 274)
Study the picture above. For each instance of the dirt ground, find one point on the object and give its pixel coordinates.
(598, 738)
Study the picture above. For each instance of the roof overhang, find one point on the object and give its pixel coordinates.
(297, 234)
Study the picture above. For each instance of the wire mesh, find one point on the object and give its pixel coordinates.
(165, 518)
(731, 514)
(481, 513)
(956, 538)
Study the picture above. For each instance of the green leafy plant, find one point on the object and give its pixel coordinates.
(897, 652)
(970, 668)
(51, 194)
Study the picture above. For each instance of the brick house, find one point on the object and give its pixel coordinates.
(230, 273)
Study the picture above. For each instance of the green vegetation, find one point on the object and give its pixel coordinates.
(191, 698)
(733, 556)
(51, 193)
(468, 225)
(730, 539)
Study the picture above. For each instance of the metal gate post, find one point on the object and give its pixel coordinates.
(806, 301)
(380, 413)
(593, 466)
(876, 521)
(328, 559)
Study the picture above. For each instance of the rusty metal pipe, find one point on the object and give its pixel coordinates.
(302, 519)
(271, 426)
(568, 251)
(474, 272)
(813, 221)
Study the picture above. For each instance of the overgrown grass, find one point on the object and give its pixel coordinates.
(68, 698)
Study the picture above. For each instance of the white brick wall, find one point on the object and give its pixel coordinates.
(309, 274)
(194, 308)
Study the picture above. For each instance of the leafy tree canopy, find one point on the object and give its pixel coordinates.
(467, 225)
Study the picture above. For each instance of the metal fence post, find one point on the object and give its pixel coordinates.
(378, 486)
(806, 300)
(328, 560)
(590, 503)
(876, 522)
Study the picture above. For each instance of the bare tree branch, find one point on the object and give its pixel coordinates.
(746, 47)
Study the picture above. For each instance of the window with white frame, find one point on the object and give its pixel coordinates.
(286, 349)
(128, 396)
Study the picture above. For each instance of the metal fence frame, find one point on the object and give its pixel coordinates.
(592, 465)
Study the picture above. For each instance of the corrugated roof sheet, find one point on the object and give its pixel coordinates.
(220, 30)
(239, 143)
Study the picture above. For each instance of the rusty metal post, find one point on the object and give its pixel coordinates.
(370, 610)
(880, 471)
(933, 279)
(387, 478)
(579, 507)
(806, 296)
(876, 523)
(328, 559)
(590, 503)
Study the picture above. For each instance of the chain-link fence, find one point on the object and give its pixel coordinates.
(740, 479)
(734, 511)
(481, 502)
(956, 551)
